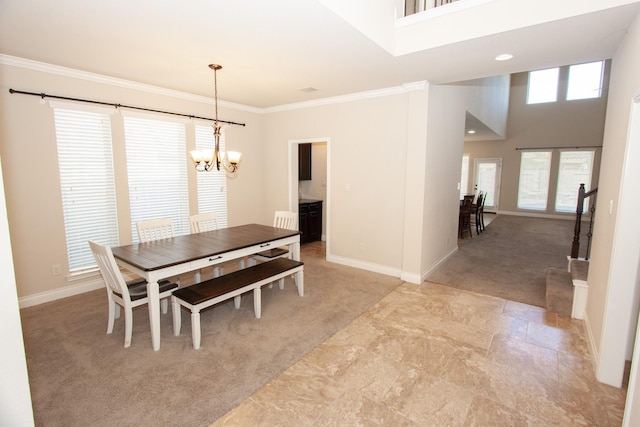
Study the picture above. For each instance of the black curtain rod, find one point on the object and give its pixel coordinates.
(44, 95)
(557, 148)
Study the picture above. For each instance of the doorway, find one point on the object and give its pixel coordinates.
(320, 187)
(487, 173)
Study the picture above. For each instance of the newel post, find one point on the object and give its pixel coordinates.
(575, 245)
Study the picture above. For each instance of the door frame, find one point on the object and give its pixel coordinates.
(496, 189)
(293, 183)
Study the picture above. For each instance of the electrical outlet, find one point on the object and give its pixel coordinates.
(55, 270)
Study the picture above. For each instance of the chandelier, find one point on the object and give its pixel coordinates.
(208, 160)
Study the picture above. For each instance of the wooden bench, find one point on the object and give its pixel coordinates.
(205, 294)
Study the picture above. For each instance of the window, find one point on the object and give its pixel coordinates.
(534, 180)
(464, 177)
(585, 81)
(543, 86)
(212, 186)
(87, 182)
(575, 169)
(157, 170)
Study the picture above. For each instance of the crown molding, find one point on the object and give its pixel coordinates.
(127, 84)
(408, 87)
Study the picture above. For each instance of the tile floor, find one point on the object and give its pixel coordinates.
(431, 355)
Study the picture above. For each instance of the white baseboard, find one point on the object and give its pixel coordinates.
(386, 270)
(363, 265)
(591, 343)
(55, 294)
(568, 217)
(438, 264)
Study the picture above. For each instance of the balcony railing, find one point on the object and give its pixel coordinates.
(416, 6)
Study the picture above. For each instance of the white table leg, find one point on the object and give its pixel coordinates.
(299, 278)
(153, 293)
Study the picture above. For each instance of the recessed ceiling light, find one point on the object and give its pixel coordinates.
(308, 89)
(504, 57)
(471, 131)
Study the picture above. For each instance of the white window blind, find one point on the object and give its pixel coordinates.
(87, 182)
(575, 168)
(157, 170)
(212, 186)
(533, 188)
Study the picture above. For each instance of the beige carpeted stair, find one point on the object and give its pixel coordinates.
(559, 286)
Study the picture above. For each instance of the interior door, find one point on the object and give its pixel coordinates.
(487, 174)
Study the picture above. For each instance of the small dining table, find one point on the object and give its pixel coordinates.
(170, 257)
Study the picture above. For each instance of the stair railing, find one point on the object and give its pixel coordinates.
(582, 195)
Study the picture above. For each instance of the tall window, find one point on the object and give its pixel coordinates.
(464, 176)
(157, 170)
(533, 188)
(543, 86)
(87, 182)
(575, 169)
(212, 186)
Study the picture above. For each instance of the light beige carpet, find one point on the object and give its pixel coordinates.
(79, 376)
(509, 259)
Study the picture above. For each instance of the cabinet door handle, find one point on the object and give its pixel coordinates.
(215, 258)
(264, 245)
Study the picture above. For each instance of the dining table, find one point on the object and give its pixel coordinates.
(170, 257)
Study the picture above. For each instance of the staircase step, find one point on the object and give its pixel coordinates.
(559, 293)
(579, 269)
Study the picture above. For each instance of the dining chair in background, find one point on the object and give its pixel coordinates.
(464, 218)
(203, 222)
(121, 294)
(154, 229)
(200, 223)
(281, 219)
(476, 212)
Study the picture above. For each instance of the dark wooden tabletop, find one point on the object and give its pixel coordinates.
(163, 253)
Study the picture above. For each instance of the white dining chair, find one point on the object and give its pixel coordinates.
(281, 219)
(121, 294)
(200, 223)
(203, 222)
(154, 229)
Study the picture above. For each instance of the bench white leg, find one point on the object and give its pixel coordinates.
(257, 302)
(281, 283)
(236, 301)
(195, 329)
(300, 283)
(177, 316)
(164, 305)
(197, 277)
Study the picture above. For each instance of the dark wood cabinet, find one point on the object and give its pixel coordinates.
(304, 162)
(310, 220)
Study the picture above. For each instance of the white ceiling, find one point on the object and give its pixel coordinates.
(271, 50)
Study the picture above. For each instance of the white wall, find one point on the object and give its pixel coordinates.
(613, 282)
(15, 397)
(488, 101)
